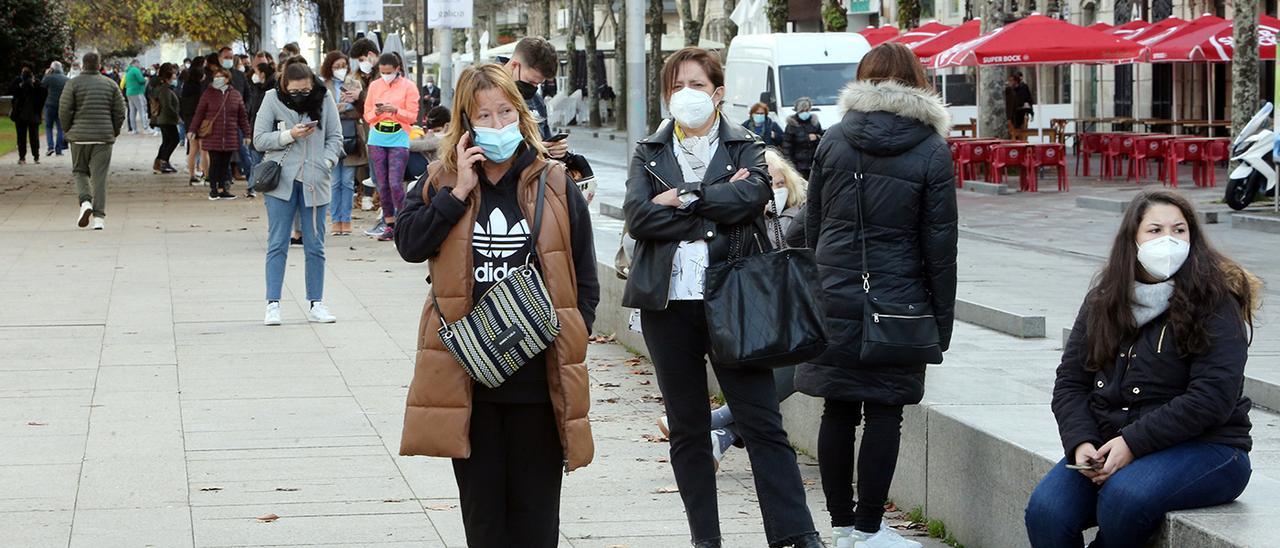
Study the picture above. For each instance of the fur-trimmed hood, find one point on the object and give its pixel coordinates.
(898, 100)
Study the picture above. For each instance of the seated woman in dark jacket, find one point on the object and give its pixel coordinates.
(691, 183)
(889, 150)
(1149, 396)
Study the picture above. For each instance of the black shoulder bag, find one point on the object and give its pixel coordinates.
(893, 334)
(764, 311)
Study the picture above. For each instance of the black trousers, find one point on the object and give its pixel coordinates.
(876, 461)
(677, 340)
(168, 143)
(28, 132)
(510, 487)
(220, 168)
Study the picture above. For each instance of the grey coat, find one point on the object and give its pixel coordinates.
(91, 109)
(310, 160)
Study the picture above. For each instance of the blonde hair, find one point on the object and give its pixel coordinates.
(473, 80)
(797, 187)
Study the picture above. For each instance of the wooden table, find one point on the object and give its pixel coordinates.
(966, 129)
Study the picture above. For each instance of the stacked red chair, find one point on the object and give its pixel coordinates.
(1090, 143)
(1115, 147)
(1180, 151)
(1145, 150)
(1047, 155)
(1007, 156)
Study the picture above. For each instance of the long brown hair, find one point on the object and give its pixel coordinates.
(473, 80)
(1206, 280)
(893, 61)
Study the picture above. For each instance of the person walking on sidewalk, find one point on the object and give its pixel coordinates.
(92, 112)
(389, 109)
(135, 88)
(344, 88)
(297, 127)
(681, 205)
(28, 102)
(1149, 395)
(800, 139)
(222, 107)
(881, 219)
(166, 117)
(471, 217)
(192, 89)
(54, 82)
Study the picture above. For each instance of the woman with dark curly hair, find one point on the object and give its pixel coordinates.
(1149, 396)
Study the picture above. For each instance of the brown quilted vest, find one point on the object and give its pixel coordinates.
(437, 413)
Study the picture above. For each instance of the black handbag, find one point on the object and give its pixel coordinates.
(265, 176)
(764, 311)
(893, 334)
(350, 138)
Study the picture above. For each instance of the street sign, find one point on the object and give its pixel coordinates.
(449, 13)
(857, 7)
(354, 11)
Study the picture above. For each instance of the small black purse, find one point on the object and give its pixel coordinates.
(893, 334)
(265, 176)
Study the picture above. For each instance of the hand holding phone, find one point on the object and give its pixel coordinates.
(558, 137)
(468, 156)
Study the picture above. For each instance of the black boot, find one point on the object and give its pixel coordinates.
(811, 540)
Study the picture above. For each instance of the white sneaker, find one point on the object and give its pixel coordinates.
(846, 537)
(273, 314)
(319, 313)
(721, 440)
(366, 203)
(887, 538)
(99, 223)
(86, 210)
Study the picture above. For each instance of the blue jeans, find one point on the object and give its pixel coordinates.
(247, 161)
(280, 216)
(343, 181)
(1129, 507)
(182, 133)
(51, 121)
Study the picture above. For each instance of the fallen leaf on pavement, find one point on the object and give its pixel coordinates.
(668, 489)
(645, 383)
(608, 400)
(37, 423)
(286, 488)
(655, 398)
(653, 438)
(441, 507)
(210, 488)
(268, 518)
(609, 385)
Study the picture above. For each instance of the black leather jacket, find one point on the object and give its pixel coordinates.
(658, 230)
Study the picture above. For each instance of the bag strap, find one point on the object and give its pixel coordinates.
(225, 95)
(860, 182)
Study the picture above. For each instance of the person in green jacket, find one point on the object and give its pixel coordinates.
(91, 111)
(166, 116)
(135, 90)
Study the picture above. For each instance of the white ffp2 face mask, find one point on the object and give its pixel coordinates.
(1163, 256)
(691, 108)
(780, 196)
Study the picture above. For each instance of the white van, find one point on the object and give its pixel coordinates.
(777, 69)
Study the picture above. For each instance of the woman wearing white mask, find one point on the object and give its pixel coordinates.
(691, 183)
(1149, 393)
(390, 108)
(345, 89)
(475, 216)
(223, 107)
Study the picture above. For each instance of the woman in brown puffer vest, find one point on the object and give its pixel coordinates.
(224, 106)
(472, 217)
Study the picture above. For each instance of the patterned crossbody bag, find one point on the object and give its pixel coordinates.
(511, 323)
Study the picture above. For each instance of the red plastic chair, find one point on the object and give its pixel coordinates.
(1048, 155)
(1090, 143)
(1115, 147)
(1146, 149)
(1180, 151)
(1007, 156)
(972, 155)
(956, 163)
(1218, 150)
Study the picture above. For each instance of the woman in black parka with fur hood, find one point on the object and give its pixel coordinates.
(893, 132)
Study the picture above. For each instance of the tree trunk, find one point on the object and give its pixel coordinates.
(730, 28)
(571, 48)
(691, 20)
(476, 22)
(908, 13)
(1244, 65)
(991, 116)
(619, 61)
(588, 9)
(778, 12)
(655, 64)
(1161, 10)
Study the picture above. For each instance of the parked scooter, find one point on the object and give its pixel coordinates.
(1253, 149)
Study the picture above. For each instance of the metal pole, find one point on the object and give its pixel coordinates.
(1040, 99)
(264, 29)
(446, 67)
(637, 101)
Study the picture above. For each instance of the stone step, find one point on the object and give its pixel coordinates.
(1210, 216)
(1261, 222)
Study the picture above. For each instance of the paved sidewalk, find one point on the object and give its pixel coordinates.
(142, 403)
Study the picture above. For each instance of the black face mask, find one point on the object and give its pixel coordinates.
(299, 95)
(527, 90)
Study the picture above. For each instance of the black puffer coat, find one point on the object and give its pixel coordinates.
(896, 135)
(797, 146)
(1152, 394)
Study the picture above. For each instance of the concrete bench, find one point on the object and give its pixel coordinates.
(983, 187)
(975, 448)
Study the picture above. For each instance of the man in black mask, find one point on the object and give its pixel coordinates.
(535, 61)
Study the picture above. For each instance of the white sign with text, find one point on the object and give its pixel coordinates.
(362, 10)
(455, 14)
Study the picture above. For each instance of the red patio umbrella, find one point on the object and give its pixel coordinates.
(1212, 42)
(922, 33)
(878, 35)
(1158, 31)
(1104, 27)
(1128, 29)
(927, 49)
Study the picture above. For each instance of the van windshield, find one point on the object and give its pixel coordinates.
(822, 83)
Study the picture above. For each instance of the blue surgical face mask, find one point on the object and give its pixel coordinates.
(499, 144)
(758, 119)
(804, 116)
